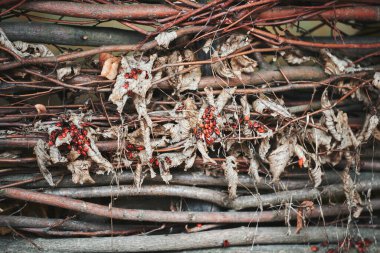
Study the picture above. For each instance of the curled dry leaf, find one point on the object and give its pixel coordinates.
(231, 175)
(185, 81)
(94, 154)
(175, 159)
(305, 205)
(242, 64)
(202, 148)
(110, 68)
(278, 160)
(43, 160)
(265, 103)
(80, 170)
(264, 148)
(137, 177)
(68, 71)
(354, 200)
(294, 57)
(348, 138)
(245, 106)
(330, 118)
(164, 38)
(209, 98)
(370, 124)
(334, 65)
(32, 50)
(233, 67)
(233, 43)
(40, 108)
(253, 169)
(222, 69)
(56, 156)
(376, 80)
(5, 42)
(207, 46)
(320, 138)
(223, 98)
(316, 173)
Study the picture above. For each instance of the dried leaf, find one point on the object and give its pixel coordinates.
(55, 155)
(40, 108)
(164, 38)
(376, 80)
(316, 174)
(80, 170)
(348, 138)
(223, 98)
(43, 160)
(137, 178)
(354, 200)
(68, 71)
(110, 68)
(308, 205)
(202, 148)
(221, 68)
(329, 116)
(32, 50)
(278, 160)
(299, 151)
(231, 175)
(242, 64)
(233, 43)
(185, 81)
(320, 138)
(103, 57)
(369, 126)
(207, 46)
(334, 65)
(139, 87)
(264, 103)
(295, 57)
(264, 148)
(253, 169)
(93, 152)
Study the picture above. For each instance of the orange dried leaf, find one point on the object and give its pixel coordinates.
(111, 68)
(40, 108)
(103, 57)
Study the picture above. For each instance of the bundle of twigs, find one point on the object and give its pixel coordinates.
(186, 120)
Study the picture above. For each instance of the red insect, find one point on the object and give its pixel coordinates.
(226, 244)
(168, 160)
(314, 248)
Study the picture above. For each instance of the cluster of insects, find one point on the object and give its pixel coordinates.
(255, 125)
(155, 163)
(133, 75)
(79, 141)
(131, 149)
(207, 128)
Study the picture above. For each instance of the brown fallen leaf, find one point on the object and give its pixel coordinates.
(308, 205)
